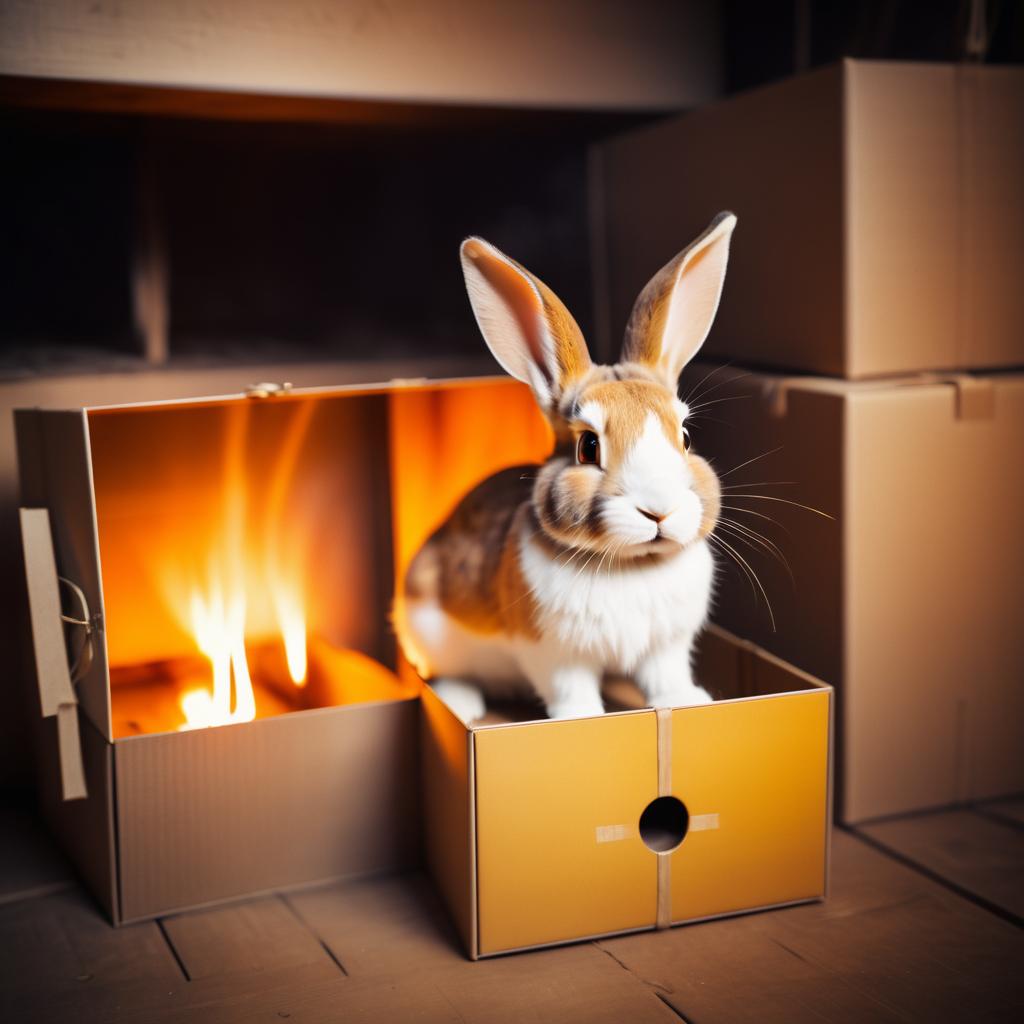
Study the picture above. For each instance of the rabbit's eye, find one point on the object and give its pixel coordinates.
(588, 449)
(686, 439)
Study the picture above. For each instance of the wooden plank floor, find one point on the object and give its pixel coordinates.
(923, 923)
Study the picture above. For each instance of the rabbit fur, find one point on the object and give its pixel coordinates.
(545, 579)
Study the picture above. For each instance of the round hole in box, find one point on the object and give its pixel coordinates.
(664, 823)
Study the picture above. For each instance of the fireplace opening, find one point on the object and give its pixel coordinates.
(208, 241)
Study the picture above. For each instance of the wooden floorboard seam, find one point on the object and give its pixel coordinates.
(1000, 819)
(933, 876)
(335, 959)
(170, 945)
(675, 1010)
(930, 812)
(653, 986)
(34, 893)
(657, 989)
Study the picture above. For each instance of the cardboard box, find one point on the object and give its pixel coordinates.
(909, 599)
(151, 515)
(543, 832)
(881, 218)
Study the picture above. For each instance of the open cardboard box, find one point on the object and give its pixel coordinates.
(230, 537)
(304, 508)
(540, 832)
(881, 229)
(909, 599)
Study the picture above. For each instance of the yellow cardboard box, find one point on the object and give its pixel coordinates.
(541, 832)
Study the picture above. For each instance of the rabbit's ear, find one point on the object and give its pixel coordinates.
(524, 323)
(673, 314)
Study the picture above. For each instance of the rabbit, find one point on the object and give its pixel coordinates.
(547, 578)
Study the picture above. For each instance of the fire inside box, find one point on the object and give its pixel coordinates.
(210, 625)
(246, 563)
(236, 559)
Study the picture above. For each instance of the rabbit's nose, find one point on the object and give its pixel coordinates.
(653, 516)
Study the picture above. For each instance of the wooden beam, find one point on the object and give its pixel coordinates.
(576, 53)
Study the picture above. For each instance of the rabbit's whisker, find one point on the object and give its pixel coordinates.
(613, 550)
(721, 383)
(715, 401)
(713, 539)
(760, 515)
(757, 579)
(709, 419)
(585, 564)
(785, 501)
(759, 483)
(757, 540)
(763, 455)
(692, 395)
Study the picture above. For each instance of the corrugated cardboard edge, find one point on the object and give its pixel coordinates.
(845, 217)
(474, 924)
(387, 387)
(830, 793)
(452, 865)
(85, 828)
(227, 901)
(648, 928)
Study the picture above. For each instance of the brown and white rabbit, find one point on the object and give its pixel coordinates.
(596, 562)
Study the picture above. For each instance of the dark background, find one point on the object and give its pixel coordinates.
(331, 235)
(338, 240)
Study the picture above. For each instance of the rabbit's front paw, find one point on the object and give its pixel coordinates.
(682, 696)
(579, 707)
(464, 699)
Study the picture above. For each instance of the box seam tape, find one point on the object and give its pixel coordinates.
(664, 901)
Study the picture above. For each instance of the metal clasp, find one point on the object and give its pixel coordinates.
(266, 389)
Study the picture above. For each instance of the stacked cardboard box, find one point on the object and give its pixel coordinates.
(880, 240)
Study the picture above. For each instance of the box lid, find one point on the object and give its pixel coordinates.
(55, 469)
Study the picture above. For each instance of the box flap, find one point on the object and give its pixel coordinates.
(449, 805)
(55, 471)
(973, 394)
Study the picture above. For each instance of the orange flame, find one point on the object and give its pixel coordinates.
(283, 561)
(219, 628)
(218, 606)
